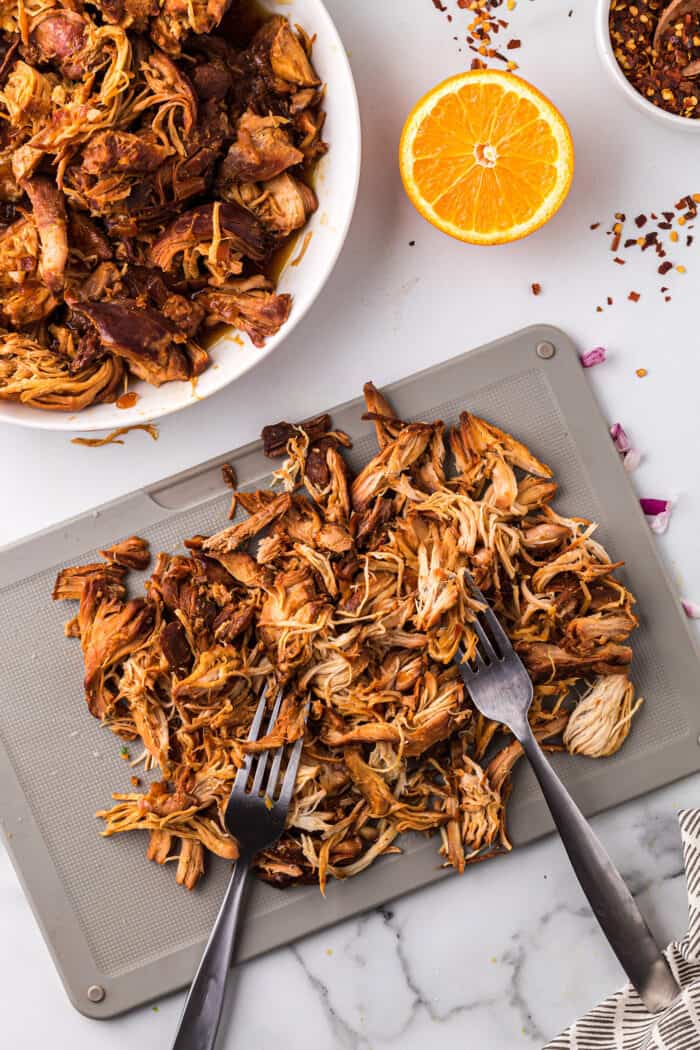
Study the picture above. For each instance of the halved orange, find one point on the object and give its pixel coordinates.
(486, 157)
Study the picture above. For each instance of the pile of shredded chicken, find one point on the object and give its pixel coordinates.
(149, 171)
(353, 591)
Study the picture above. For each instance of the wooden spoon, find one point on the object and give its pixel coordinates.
(676, 9)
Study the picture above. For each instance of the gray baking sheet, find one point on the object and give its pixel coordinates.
(111, 918)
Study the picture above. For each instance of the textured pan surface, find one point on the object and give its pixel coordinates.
(112, 918)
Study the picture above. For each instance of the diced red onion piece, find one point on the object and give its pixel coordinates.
(652, 507)
(596, 356)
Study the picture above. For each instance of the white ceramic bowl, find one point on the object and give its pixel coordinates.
(605, 50)
(336, 182)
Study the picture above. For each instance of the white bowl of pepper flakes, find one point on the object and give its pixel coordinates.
(649, 50)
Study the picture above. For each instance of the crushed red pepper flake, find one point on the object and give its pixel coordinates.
(484, 26)
(634, 297)
(536, 288)
(652, 238)
(641, 372)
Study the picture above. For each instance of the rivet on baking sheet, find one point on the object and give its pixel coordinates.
(95, 993)
(545, 350)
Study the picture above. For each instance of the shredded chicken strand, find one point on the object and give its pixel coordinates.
(352, 592)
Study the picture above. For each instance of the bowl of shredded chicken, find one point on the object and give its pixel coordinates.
(176, 182)
(351, 592)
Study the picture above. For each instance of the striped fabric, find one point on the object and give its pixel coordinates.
(621, 1022)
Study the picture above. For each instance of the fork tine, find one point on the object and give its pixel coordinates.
(484, 639)
(243, 773)
(290, 774)
(497, 631)
(262, 758)
(274, 773)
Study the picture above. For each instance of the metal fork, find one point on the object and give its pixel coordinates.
(256, 819)
(501, 689)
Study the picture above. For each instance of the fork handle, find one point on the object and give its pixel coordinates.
(201, 1014)
(613, 905)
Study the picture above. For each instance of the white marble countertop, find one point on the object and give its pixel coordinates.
(507, 955)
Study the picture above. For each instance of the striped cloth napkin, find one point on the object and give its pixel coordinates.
(621, 1022)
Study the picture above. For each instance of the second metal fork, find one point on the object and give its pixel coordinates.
(501, 689)
(256, 818)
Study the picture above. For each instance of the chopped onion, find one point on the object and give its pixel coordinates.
(631, 460)
(652, 507)
(596, 356)
(622, 442)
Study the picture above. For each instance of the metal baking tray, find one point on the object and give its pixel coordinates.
(112, 919)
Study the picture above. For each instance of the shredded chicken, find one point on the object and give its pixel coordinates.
(150, 172)
(352, 591)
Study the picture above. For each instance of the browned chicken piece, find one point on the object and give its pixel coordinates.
(132, 553)
(249, 305)
(212, 79)
(280, 55)
(236, 535)
(177, 18)
(71, 581)
(49, 211)
(262, 150)
(283, 204)
(380, 412)
(383, 471)
(110, 631)
(129, 13)
(586, 632)
(86, 239)
(60, 37)
(276, 436)
(231, 224)
(27, 303)
(547, 662)
(150, 344)
(112, 151)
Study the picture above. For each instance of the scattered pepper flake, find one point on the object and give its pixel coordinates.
(673, 236)
(135, 782)
(680, 269)
(619, 261)
(634, 297)
(640, 221)
(641, 372)
(536, 288)
(595, 225)
(665, 267)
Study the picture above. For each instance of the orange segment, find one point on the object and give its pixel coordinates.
(486, 157)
